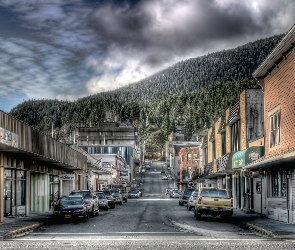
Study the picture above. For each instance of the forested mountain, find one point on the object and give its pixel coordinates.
(194, 92)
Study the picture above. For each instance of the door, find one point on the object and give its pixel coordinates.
(8, 198)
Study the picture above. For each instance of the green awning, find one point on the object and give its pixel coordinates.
(242, 158)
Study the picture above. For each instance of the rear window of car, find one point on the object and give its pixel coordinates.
(100, 195)
(107, 192)
(68, 201)
(85, 194)
(214, 193)
(188, 191)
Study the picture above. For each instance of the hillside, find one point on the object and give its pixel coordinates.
(193, 92)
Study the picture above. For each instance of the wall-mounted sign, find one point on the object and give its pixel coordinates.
(8, 138)
(67, 177)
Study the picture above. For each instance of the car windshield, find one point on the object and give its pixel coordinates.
(100, 195)
(68, 201)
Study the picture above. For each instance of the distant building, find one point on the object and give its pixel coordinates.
(110, 137)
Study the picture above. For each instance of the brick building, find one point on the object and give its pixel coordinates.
(275, 187)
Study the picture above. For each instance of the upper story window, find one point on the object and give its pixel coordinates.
(275, 129)
(213, 150)
(189, 157)
(223, 143)
(235, 136)
(205, 154)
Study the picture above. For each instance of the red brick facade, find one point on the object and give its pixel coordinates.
(279, 89)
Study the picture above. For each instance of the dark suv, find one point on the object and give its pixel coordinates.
(185, 196)
(90, 199)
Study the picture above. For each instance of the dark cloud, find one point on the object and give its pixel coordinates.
(68, 49)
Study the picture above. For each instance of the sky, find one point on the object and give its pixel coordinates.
(68, 49)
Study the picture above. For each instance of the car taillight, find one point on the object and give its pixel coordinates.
(200, 200)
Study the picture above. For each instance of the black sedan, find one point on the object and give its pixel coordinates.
(70, 207)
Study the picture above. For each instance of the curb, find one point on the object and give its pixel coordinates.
(255, 228)
(260, 230)
(21, 231)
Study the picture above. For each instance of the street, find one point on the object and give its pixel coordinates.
(154, 221)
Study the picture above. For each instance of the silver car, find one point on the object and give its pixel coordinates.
(174, 193)
(191, 200)
(102, 201)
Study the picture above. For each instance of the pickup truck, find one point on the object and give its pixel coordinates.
(214, 201)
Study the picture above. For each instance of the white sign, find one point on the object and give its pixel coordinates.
(67, 177)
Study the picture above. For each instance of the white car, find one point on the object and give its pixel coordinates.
(164, 177)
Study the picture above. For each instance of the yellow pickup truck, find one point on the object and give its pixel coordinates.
(214, 201)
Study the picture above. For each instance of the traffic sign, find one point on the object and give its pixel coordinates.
(191, 183)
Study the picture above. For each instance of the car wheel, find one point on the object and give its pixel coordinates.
(181, 203)
(189, 208)
(85, 218)
(106, 208)
(121, 203)
(113, 206)
(198, 215)
(92, 214)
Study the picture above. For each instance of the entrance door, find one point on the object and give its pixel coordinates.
(54, 190)
(8, 199)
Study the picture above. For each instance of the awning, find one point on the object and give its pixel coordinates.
(242, 158)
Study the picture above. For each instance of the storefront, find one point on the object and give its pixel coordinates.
(244, 184)
(14, 192)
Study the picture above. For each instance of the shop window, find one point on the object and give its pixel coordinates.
(278, 184)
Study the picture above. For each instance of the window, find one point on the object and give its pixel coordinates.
(277, 184)
(223, 144)
(189, 157)
(213, 150)
(274, 129)
(205, 150)
(235, 136)
(196, 158)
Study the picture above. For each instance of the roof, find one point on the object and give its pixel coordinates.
(277, 55)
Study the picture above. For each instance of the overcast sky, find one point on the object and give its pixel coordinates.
(67, 49)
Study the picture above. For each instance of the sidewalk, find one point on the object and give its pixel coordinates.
(15, 226)
(12, 227)
(263, 225)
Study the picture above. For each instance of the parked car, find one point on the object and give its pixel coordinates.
(140, 191)
(102, 201)
(164, 177)
(133, 194)
(174, 193)
(110, 198)
(185, 195)
(125, 195)
(192, 200)
(168, 190)
(90, 199)
(70, 208)
(117, 196)
(214, 201)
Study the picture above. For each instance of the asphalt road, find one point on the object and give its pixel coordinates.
(154, 221)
